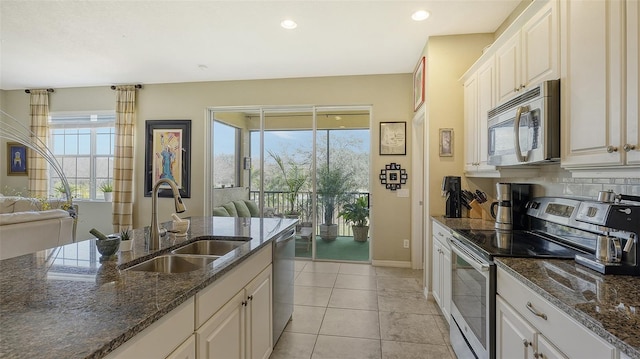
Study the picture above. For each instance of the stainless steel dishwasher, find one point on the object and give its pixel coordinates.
(284, 252)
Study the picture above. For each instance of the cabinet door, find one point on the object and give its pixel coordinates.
(633, 83)
(508, 68)
(259, 316)
(591, 82)
(223, 336)
(445, 282)
(470, 124)
(435, 271)
(486, 101)
(546, 350)
(185, 351)
(514, 336)
(540, 46)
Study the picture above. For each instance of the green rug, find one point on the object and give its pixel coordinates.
(342, 249)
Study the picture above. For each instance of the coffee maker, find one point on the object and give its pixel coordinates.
(452, 189)
(616, 250)
(511, 206)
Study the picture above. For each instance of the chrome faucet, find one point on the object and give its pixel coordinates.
(156, 232)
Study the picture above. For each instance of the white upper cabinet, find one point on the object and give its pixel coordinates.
(530, 55)
(599, 123)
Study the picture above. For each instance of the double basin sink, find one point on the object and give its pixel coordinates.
(190, 257)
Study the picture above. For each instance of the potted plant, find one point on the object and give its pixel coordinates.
(332, 187)
(357, 213)
(294, 178)
(107, 189)
(126, 242)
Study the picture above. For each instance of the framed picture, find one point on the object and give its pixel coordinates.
(16, 159)
(393, 176)
(418, 85)
(168, 155)
(446, 142)
(393, 138)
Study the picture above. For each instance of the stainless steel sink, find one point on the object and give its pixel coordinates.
(209, 247)
(173, 264)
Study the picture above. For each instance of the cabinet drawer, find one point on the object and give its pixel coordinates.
(571, 337)
(440, 233)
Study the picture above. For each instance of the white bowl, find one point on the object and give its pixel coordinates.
(182, 227)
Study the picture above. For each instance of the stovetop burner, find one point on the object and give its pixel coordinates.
(517, 243)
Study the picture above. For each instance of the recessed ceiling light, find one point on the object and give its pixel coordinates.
(420, 15)
(338, 118)
(288, 24)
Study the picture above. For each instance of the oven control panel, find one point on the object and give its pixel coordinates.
(594, 213)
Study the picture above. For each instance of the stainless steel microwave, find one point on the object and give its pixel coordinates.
(526, 129)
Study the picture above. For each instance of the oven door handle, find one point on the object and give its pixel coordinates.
(477, 263)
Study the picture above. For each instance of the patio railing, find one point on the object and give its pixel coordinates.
(303, 203)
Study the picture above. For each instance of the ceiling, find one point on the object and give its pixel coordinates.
(96, 43)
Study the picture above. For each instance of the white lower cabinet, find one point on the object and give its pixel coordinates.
(528, 326)
(186, 350)
(441, 270)
(242, 327)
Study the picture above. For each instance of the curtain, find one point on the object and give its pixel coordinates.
(123, 158)
(37, 166)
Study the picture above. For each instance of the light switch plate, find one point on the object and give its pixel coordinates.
(403, 193)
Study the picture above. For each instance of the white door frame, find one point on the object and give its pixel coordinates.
(417, 188)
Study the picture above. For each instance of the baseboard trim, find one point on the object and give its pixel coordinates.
(397, 264)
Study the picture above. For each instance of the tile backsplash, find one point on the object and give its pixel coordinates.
(554, 181)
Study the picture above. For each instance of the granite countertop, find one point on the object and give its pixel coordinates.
(66, 303)
(609, 305)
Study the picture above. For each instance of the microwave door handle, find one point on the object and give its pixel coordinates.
(516, 133)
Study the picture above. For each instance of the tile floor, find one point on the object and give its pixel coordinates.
(345, 310)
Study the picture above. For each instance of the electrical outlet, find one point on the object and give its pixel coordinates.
(405, 243)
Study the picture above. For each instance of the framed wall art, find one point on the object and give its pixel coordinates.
(393, 176)
(393, 138)
(446, 142)
(418, 85)
(168, 155)
(16, 159)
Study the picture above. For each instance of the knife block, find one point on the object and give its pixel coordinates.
(480, 210)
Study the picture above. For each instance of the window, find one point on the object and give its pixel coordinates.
(83, 144)
(226, 155)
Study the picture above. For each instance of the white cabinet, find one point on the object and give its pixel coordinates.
(242, 327)
(441, 270)
(599, 123)
(547, 330)
(185, 351)
(529, 56)
(515, 338)
(479, 98)
(162, 338)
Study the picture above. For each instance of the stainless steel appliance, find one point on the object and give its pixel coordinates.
(451, 187)
(549, 235)
(617, 218)
(284, 252)
(526, 129)
(503, 215)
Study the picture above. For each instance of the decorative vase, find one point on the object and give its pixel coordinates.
(360, 234)
(126, 245)
(108, 196)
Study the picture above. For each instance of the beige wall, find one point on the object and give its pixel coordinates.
(390, 96)
(447, 58)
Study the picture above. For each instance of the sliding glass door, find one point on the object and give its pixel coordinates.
(304, 163)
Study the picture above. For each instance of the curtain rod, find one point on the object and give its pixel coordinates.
(138, 86)
(48, 90)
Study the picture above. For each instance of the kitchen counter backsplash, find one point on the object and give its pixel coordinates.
(66, 303)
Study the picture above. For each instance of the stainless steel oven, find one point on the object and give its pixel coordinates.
(473, 293)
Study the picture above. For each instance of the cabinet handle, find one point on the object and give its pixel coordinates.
(532, 310)
(521, 87)
(250, 297)
(611, 149)
(627, 147)
(244, 303)
(440, 234)
(526, 343)
(538, 355)
(515, 89)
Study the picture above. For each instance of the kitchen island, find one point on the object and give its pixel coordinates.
(66, 303)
